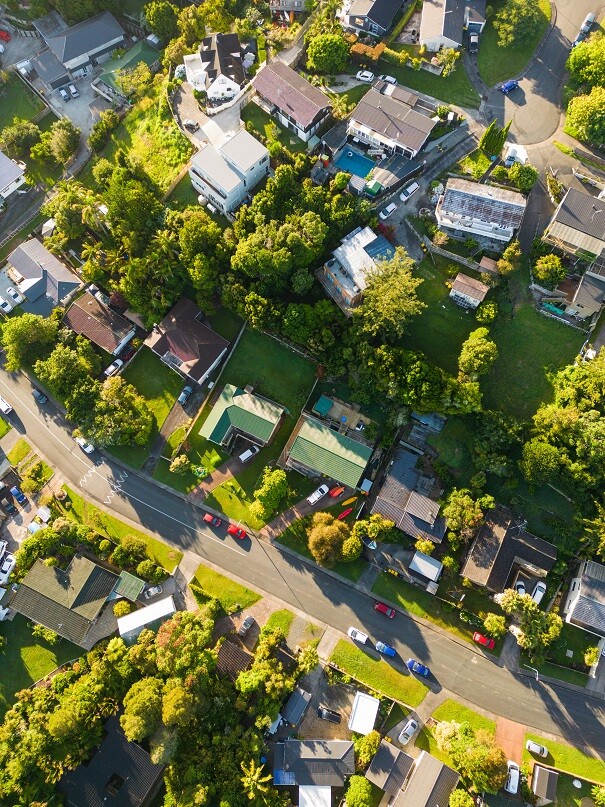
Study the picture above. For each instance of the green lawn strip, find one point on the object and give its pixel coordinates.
(230, 594)
(568, 759)
(17, 101)
(265, 126)
(184, 195)
(567, 674)
(85, 512)
(476, 164)
(568, 795)
(455, 446)
(353, 95)
(498, 64)
(453, 89)
(396, 715)
(19, 452)
(26, 659)
(376, 795)
(452, 710)
(281, 620)
(33, 459)
(225, 323)
(378, 675)
(5, 427)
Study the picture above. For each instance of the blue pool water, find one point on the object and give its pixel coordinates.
(354, 163)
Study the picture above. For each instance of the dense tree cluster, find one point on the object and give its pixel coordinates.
(586, 90)
(481, 763)
(517, 22)
(537, 628)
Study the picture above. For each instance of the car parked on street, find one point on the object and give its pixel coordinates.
(14, 295)
(479, 638)
(536, 748)
(385, 649)
(153, 591)
(365, 75)
(245, 626)
(416, 667)
(357, 635)
(5, 305)
(113, 368)
(407, 732)
(86, 447)
(5, 406)
(509, 86)
(5, 35)
(185, 394)
(240, 534)
(328, 714)
(8, 564)
(214, 520)
(18, 494)
(40, 397)
(385, 609)
(387, 211)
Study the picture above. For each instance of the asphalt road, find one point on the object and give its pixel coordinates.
(457, 667)
(535, 106)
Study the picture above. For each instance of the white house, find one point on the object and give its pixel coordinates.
(472, 209)
(225, 176)
(443, 22)
(12, 176)
(467, 291)
(217, 68)
(585, 605)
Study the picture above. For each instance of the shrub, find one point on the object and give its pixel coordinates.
(180, 465)
(122, 608)
(150, 571)
(424, 545)
(46, 634)
(591, 656)
(487, 313)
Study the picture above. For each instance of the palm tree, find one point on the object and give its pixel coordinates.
(254, 782)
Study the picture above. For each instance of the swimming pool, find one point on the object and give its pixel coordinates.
(354, 163)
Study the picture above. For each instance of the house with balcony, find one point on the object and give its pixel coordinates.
(389, 120)
(12, 176)
(286, 7)
(585, 604)
(480, 211)
(41, 278)
(444, 22)
(227, 175)
(217, 68)
(369, 16)
(344, 276)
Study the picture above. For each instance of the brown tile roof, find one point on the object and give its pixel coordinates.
(100, 324)
(232, 660)
(470, 287)
(291, 93)
(393, 119)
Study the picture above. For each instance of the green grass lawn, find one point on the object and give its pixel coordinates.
(355, 94)
(396, 715)
(26, 659)
(476, 164)
(568, 795)
(453, 89)
(226, 323)
(455, 446)
(84, 512)
(568, 759)
(267, 127)
(499, 64)
(17, 101)
(441, 328)
(230, 594)
(5, 427)
(280, 620)
(452, 710)
(184, 195)
(19, 452)
(378, 675)
(559, 665)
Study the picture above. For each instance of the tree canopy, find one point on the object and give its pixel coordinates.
(517, 23)
(328, 53)
(586, 115)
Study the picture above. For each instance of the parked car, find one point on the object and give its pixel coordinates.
(39, 396)
(5, 35)
(416, 667)
(588, 22)
(87, 448)
(153, 591)
(473, 43)
(8, 505)
(8, 564)
(1, 48)
(14, 295)
(536, 748)
(5, 305)
(328, 714)
(126, 355)
(388, 79)
(239, 533)
(520, 588)
(385, 649)
(407, 732)
(538, 592)
(387, 211)
(3, 548)
(249, 453)
(63, 93)
(358, 635)
(185, 394)
(192, 125)
(318, 494)
(408, 191)
(512, 780)
(385, 609)
(509, 86)
(113, 368)
(5, 406)
(479, 638)
(214, 520)
(73, 90)
(365, 75)
(245, 626)
(18, 494)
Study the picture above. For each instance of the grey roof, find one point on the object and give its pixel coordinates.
(382, 12)
(48, 67)
(43, 273)
(393, 119)
(500, 543)
(389, 768)
(211, 162)
(589, 608)
(429, 785)
(222, 56)
(9, 170)
(470, 287)
(484, 202)
(137, 778)
(313, 762)
(50, 25)
(296, 706)
(243, 150)
(85, 37)
(590, 294)
(544, 782)
(582, 212)
(291, 93)
(442, 18)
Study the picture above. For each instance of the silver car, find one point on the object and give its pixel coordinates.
(407, 732)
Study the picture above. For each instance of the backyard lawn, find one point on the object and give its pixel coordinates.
(453, 89)
(568, 759)
(184, 195)
(498, 64)
(26, 659)
(232, 597)
(17, 101)
(267, 127)
(378, 675)
(476, 164)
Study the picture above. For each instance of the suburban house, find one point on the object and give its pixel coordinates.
(427, 569)
(50, 70)
(286, 7)
(12, 176)
(148, 618)
(297, 104)
(314, 766)
(403, 498)
(226, 176)
(232, 659)
(41, 277)
(315, 450)
(107, 84)
(369, 16)
(444, 21)
(482, 211)
(217, 68)
(408, 782)
(185, 344)
(585, 605)
(544, 783)
(120, 773)
(388, 120)
(105, 328)
(71, 602)
(242, 413)
(468, 291)
(502, 550)
(578, 228)
(345, 274)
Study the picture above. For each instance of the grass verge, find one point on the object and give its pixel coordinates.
(452, 710)
(453, 89)
(5, 427)
(476, 164)
(568, 759)
(231, 596)
(281, 620)
(19, 452)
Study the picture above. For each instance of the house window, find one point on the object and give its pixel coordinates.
(264, 160)
(114, 784)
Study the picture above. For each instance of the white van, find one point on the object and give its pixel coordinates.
(388, 210)
(318, 494)
(249, 453)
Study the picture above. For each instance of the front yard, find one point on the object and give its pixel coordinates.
(564, 667)
(476, 164)
(231, 595)
(452, 710)
(269, 129)
(568, 759)
(453, 89)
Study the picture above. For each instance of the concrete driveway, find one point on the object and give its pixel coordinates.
(76, 109)
(19, 48)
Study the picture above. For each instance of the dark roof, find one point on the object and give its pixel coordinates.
(222, 55)
(429, 785)
(64, 601)
(389, 768)
(85, 37)
(498, 206)
(232, 660)
(453, 22)
(500, 543)
(117, 762)
(313, 762)
(590, 294)
(43, 273)
(582, 212)
(296, 706)
(397, 500)
(100, 324)
(544, 782)
(194, 347)
(291, 93)
(589, 607)
(382, 12)
(48, 67)
(393, 119)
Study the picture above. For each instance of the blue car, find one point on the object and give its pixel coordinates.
(416, 667)
(386, 649)
(509, 86)
(18, 494)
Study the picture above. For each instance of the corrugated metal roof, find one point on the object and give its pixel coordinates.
(389, 768)
(330, 454)
(129, 586)
(498, 206)
(243, 411)
(582, 212)
(470, 286)
(145, 616)
(296, 706)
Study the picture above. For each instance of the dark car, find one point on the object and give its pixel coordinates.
(328, 714)
(185, 394)
(39, 396)
(8, 506)
(127, 355)
(214, 520)
(18, 494)
(416, 667)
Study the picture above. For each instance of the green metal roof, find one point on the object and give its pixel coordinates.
(129, 586)
(323, 406)
(141, 52)
(244, 412)
(331, 454)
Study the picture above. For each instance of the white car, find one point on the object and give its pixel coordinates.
(152, 592)
(365, 76)
(8, 564)
(535, 748)
(113, 368)
(538, 592)
(73, 90)
(512, 781)
(408, 191)
(63, 94)
(87, 448)
(14, 295)
(358, 635)
(388, 79)
(3, 547)
(5, 305)
(1, 48)
(520, 588)
(5, 406)
(407, 732)
(388, 211)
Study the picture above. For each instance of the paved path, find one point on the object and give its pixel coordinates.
(510, 736)
(274, 528)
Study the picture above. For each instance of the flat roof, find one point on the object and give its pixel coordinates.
(143, 616)
(243, 150)
(211, 162)
(363, 714)
(426, 566)
(314, 796)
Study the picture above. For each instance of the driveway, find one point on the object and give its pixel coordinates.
(76, 109)
(20, 48)
(215, 129)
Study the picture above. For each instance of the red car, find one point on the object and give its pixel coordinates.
(233, 529)
(214, 520)
(5, 36)
(384, 609)
(481, 639)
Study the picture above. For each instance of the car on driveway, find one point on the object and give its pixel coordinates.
(418, 668)
(520, 588)
(387, 211)
(64, 94)
(385, 649)
(3, 548)
(153, 591)
(8, 564)
(328, 714)
(473, 43)
(5, 305)
(192, 125)
(512, 780)
(408, 191)
(407, 732)
(185, 394)
(39, 396)
(87, 448)
(233, 529)
(509, 86)
(358, 635)
(8, 505)
(388, 79)
(365, 76)
(479, 638)
(73, 90)
(5, 36)
(18, 494)
(580, 38)
(245, 626)
(214, 520)
(113, 368)
(384, 609)
(14, 295)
